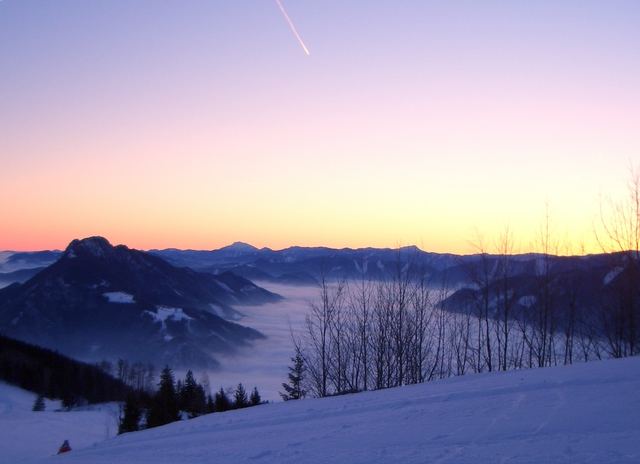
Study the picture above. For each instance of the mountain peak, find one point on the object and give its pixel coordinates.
(240, 246)
(411, 248)
(90, 246)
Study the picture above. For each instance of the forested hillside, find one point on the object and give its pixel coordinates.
(53, 375)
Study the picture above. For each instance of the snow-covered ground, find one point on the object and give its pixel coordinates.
(25, 434)
(119, 297)
(585, 413)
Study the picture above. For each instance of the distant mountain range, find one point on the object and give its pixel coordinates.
(21, 266)
(306, 265)
(294, 265)
(97, 301)
(181, 296)
(586, 283)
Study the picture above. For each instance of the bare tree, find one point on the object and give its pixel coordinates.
(543, 323)
(619, 235)
(361, 300)
(319, 327)
(505, 297)
(482, 274)
(423, 311)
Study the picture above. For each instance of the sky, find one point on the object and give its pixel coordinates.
(196, 123)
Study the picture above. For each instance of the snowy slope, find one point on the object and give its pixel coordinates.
(26, 435)
(587, 413)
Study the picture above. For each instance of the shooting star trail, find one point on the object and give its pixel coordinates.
(292, 27)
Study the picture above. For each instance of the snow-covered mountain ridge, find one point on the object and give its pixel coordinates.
(99, 301)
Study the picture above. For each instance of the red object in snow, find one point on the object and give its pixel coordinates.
(65, 448)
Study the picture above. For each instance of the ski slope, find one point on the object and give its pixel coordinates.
(587, 413)
(25, 434)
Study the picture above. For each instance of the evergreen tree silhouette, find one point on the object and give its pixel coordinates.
(130, 421)
(240, 399)
(38, 404)
(221, 402)
(294, 390)
(255, 398)
(164, 408)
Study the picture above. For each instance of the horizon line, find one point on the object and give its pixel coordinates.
(276, 250)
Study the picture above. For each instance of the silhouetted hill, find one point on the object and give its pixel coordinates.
(98, 301)
(56, 376)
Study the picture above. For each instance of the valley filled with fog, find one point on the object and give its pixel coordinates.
(264, 363)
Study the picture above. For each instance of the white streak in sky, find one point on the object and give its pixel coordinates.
(292, 27)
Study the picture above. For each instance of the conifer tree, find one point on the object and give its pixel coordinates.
(294, 390)
(199, 401)
(192, 396)
(221, 402)
(186, 391)
(255, 398)
(210, 405)
(164, 408)
(38, 404)
(240, 399)
(130, 421)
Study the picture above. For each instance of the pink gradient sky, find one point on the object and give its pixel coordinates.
(195, 124)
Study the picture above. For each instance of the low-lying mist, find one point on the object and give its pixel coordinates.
(264, 364)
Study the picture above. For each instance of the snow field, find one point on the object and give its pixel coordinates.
(584, 413)
(25, 434)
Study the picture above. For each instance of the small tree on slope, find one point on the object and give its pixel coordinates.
(192, 398)
(221, 402)
(255, 398)
(240, 399)
(38, 404)
(165, 403)
(132, 413)
(293, 390)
